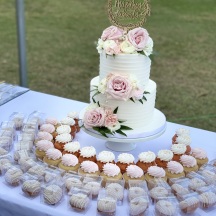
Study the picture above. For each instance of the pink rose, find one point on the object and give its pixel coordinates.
(119, 87)
(138, 37)
(111, 120)
(94, 118)
(137, 94)
(111, 47)
(112, 33)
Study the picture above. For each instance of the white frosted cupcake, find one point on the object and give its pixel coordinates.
(200, 155)
(145, 160)
(174, 170)
(87, 153)
(186, 140)
(61, 140)
(47, 128)
(41, 147)
(69, 162)
(72, 148)
(163, 157)
(89, 168)
(53, 157)
(178, 150)
(63, 129)
(42, 135)
(71, 122)
(189, 163)
(51, 120)
(180, 132)
(155, 172)
(105, 157)
(124, 160)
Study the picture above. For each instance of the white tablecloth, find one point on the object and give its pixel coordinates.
(11, 200)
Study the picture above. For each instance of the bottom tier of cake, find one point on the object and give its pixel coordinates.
(135, 114)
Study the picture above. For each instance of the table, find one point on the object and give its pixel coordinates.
(12, 203)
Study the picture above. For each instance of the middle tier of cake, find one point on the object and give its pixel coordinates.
(136, 115)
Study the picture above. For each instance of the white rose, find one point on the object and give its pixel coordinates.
(115, 127)
(102, 86)
(127, 47)
(92, 106)
(111, 47)
(100, 45)
(134, 81)
(149, 47)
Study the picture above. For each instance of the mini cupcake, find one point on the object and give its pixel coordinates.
(41, 147)
(52, 194)
(207, 199)
(189, 205)
(69, 121)
(89, 168)
(61, 140)
(73, 182)
(115, 190)
(158, 193)
(145, 160)
(31, 187)
(44, 136)
(179, 189)
(165, 208)
(87, 153)
(186, 140)
(53, 157)
(178, 150)
(13, 175)
(138, 206)
(63, 129)
(105, 157)
(106, 205)
(189, 163)
(163, 157)
(174, 170)
(196, 183)
(133, 172)
(155, 172)
(110, 172)
(69, 162)
(72, 148)
(180, 132)
(200, 156)
(47, 128)
(75, 117)
(124, 160)
(51, 120)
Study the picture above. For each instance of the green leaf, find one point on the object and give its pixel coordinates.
(132, 99)
(93, 100)
(120, 132)
(140, 100)
(95, 86)
(96, 94)
(124, 127)
(98, 129)
(141, 52)
(115, 110)
(122, 121)
(93, 90)
(146, 92)
(144, 98)
(98, 103)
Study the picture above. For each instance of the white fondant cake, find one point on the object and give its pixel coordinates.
(122, 96)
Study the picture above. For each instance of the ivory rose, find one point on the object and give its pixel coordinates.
(118, 87)
(111, 47)
(138, 37)
(111, 120)
(115, 127)
(127, 47)
(112, 33)
(149, 47)
(138, 94)
(94, 117)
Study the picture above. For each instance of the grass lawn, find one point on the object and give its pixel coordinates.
(62, 58)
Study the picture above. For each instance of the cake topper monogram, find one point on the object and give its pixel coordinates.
(128, 14)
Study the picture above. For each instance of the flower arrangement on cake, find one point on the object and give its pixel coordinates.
(120, 87)
(103, 120)
(116, 41)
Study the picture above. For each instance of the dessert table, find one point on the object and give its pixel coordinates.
(11, 200)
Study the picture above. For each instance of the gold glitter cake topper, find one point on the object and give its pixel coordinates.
(128, 14)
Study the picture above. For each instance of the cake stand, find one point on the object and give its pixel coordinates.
(120, 143)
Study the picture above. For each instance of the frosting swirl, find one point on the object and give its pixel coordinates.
(53, 154)
(208, 198)
(183, 139)
(106, 156)
(72, 147)
(88, 151)
(63, 129)
(47, 128)
(134, 171)
(63, 138)
(147, 157)
(89, 166)
(73, 115)
(44, 145)
(165, 207)
(68, 121)
(51, 120)
(165, 155)
(178, 149)
(182, 131)
(175, 167)
(198, 153)
(156, 171)
(125, 158)
(69, 160)
(188, 161)
(42, 135)
(110, 169)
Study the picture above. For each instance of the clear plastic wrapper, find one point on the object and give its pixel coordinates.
(3, 151)
(5, 163)
(196, 181)
(8, 133)
(138, 206)
(18, 119)
(208, 201)
(176, 180)
(93, 184)
(72, 180)
(158, 182)
(189, 203)
(24, 145)
(52, 193)
(37, 116)
(159, 192)
(209, 175)
(51, 173)
(115, 189)
(12, 176)
(21, 154)
(26, 137)
(213, 162)
(106, 205)
(6, 142)
(79, 200)
(9, 126)
(30, 185)
(27, 163)
(37, 170)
